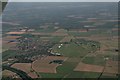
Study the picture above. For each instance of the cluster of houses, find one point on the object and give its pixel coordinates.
(55, 53)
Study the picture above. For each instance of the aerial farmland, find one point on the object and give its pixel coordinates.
(76, 44)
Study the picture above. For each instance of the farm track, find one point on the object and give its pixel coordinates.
(78, 62)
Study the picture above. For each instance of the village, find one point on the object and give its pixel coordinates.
(36, 50)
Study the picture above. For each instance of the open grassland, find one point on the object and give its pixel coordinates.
(7, 54)
(56, 39)
(83, 74)
(45, 38)
(50, 30)
(71, 50)
(66, 68)
(51, 75)
(89, 33)
(96, 60)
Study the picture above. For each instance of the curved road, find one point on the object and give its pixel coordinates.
(22, 74)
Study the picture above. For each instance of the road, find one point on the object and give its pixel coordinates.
(22, 74)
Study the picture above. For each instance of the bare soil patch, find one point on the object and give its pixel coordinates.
(26, 67)
(111, 67)
(41, 34)
(7, 45)
(88, 68)
(67, 39)
(32, 75)
(11, 37)
(15, 33)
(42, 65)
(8, 73)
(60, 32)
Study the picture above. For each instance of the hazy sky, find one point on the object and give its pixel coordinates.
(62, 0)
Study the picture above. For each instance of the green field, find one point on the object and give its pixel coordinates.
(66, 68)
(96, 60)
(56, 39)
(76, 74)
(7, 54)
(49, 29)
(50, 75)
(66, 71)
(71, 50)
